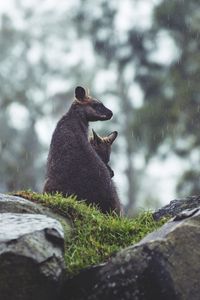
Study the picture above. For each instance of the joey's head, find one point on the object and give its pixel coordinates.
(91, 109)
(102, 146)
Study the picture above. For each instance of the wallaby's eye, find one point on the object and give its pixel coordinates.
(98, 106)
(95, 105)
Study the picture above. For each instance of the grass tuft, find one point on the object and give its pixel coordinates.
(95, 236)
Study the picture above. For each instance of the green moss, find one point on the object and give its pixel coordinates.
(95, 236)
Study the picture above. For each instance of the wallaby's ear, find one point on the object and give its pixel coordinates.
(80, 93)
(96, 137)
(112, 136)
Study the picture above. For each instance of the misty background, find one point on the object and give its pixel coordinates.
(140, 58)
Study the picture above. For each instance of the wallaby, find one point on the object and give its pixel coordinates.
(73, 166)
(102, 146)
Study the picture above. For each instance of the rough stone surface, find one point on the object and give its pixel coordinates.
(31, 256)
(15, 204)
(177, 206)
(164, 265)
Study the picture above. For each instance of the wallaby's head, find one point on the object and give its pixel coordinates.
(91, 109)
(102, 146)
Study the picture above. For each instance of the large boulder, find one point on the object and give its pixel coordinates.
(164, 265)
(31, 257)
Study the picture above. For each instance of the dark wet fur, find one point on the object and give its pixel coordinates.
(73, 166)
(102, 146)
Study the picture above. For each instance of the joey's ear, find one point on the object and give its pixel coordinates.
(112, 136)
(80, 93)
(96, 137)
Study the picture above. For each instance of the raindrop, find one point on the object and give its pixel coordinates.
(112, 284)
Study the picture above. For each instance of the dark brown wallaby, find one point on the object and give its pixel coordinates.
(102, 146)
(73, 166)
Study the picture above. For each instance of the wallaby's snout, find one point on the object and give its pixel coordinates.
(100, 111)
(108, 114)
(93, 109)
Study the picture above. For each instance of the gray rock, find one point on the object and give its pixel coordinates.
(31, 257)
(164, 265)
(177, 206)
(15, 204)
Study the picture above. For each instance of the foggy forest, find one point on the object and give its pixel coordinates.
(140, 58)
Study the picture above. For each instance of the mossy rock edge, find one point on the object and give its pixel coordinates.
(95, 237)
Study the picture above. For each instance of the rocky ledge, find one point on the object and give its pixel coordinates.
(165, 264)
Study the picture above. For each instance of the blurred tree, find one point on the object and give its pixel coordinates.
(168, 122)
(120, 53)
(172, 91)
(41, 60)
(32, 58)
(46, 51)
